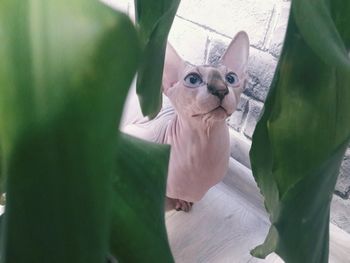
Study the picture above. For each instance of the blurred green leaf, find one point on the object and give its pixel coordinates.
(301, 138)
(65, 70)
(154, 19)
(138, 225)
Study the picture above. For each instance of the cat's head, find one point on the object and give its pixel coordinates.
(207, 92)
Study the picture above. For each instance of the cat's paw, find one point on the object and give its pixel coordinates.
(178, 205)
(181, 205)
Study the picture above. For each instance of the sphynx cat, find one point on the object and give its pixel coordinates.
(194, 121)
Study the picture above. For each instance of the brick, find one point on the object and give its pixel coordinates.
(340, 213)
(342, 187)
(229, 17)
(189, 40)
(254, 89)
(237, 118)
(253, 116)
(216, 48)
(261, 69)
(279, 30)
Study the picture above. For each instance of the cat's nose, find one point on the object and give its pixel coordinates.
(220, 91)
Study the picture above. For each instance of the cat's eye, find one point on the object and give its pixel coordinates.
(232, 79)
(193, 80)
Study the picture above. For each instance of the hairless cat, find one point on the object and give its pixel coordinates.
(197, 101)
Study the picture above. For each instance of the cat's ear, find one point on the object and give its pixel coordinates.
(236, 55)
(172, 65)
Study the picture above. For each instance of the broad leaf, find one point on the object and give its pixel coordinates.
(154, 19)
(65, 70)
(301, 138)
(138, 226)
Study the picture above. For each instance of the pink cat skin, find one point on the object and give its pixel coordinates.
(193, 123)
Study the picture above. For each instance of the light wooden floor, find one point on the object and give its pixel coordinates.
(230, 221)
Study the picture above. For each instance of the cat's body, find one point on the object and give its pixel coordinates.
(193, 122)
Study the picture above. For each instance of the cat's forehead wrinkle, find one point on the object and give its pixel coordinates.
(215, 77)
(219, 67)
(206, 71)
(211, 72)
(214, 73)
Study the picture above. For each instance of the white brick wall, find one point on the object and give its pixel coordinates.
(228, 17)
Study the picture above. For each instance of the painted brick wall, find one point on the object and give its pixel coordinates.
(201, 32)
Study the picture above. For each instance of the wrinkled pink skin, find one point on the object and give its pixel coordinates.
(194, 124)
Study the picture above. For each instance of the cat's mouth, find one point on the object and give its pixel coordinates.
(218, 109)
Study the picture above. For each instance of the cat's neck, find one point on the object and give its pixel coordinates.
(196, 130)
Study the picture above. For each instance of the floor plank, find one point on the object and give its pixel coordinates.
(222, 227)
(225, 225)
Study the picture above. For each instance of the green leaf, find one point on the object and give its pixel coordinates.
(138, 226)
(65, 70)
(154, 19)
(301, 138)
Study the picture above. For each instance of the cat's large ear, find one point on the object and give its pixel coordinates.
(172, 65)
(236, 55)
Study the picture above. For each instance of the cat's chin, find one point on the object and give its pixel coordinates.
(219, 113)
